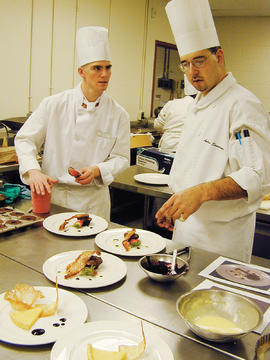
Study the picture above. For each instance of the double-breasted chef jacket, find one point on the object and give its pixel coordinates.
(171, 120)
(77, 133)
(209, 150)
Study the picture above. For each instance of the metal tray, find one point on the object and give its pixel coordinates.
(12, 219)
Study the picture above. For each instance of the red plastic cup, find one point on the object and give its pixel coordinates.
(41, 203)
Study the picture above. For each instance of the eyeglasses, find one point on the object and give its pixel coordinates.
(198, 63)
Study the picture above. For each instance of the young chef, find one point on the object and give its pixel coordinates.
(172, 117)
(222, 166)
(83, 128)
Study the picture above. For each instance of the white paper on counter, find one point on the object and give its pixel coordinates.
(210, 272)
(265, 205)
(208, 284)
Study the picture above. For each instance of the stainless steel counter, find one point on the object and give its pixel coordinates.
(97, 310)
(126, 182)
(136, 296)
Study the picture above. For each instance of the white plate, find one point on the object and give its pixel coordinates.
(152, 178)
(53, 222)
(70, 307)
(111, 241)
(108, 335)
(110, 271)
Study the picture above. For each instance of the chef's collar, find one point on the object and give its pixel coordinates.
(204, 101)
(90, 105)
(84, 104)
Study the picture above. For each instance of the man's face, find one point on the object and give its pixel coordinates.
(211, 72)
(96, 75)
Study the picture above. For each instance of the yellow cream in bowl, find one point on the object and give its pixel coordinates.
(218, 324)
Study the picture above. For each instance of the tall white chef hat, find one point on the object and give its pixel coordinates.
(192, 25)
(189, 89)
(92, 44)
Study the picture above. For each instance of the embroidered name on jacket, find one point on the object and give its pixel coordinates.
(213, 144)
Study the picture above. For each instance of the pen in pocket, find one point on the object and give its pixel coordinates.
(238, 136)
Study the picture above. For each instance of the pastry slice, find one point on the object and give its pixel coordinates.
(98, 354)
(25, 319)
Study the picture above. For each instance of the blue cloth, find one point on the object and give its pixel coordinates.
(12, 191)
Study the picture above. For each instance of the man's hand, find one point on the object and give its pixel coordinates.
(39, 182)
(88, 174)
(180, 206)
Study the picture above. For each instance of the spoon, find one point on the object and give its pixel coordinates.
(173, 272)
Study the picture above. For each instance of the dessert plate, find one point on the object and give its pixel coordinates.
(71, 313)
(107, 335)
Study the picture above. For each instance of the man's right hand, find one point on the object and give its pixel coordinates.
(39, 182)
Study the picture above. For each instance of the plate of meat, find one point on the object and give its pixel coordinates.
(84, 269)
(75, 224)
(130, 242)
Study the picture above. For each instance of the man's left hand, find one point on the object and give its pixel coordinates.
(88, 174)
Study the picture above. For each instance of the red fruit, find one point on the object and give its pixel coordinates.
(73, 172)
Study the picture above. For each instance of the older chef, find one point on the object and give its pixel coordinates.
(83, 128)
(222, 165)
(172, 117)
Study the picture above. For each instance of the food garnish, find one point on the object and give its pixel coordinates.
(82, 220)
(85, 264)
(23, 299)
(23, 296)
(125, 352)
(74, 172)
(131, 240)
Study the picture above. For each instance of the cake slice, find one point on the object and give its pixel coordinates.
(98, 354)
(26, 319)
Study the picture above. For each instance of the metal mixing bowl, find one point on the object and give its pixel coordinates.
(144, 265)
(211, 304)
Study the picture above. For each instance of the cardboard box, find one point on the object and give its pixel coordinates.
(139, 140)
(152, 158)
(8, 155)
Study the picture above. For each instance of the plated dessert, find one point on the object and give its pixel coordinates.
(24, 299)
(111, 340)
(36, 315)
(123, 352)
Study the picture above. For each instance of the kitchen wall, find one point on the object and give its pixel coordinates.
(246, 42)
(38, 49)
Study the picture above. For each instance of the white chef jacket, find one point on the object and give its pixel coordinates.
(171, 120)
(76, 136)
(208, 150)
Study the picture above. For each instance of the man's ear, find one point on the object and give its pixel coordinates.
(81, 72)
(220, 56)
